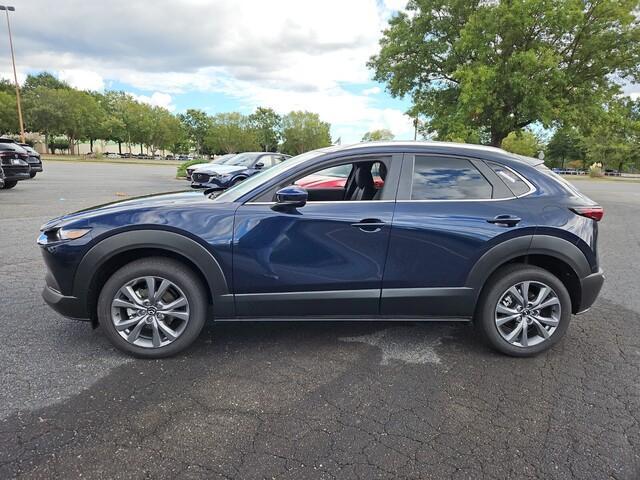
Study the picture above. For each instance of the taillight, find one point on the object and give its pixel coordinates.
(594, 212)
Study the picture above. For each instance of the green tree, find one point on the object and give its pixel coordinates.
(231, 133)
(267, 125)
(197, 124)
(378, 135)
(522, 143)
(81, 113)
(304, 131)
(8, 114)
(613, 138)
(43, 79)
(7, 86)
(165, 130)
(566, 144)
(499, 66)
(44, 110)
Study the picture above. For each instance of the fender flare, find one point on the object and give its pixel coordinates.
(548, 245)
(106, 249)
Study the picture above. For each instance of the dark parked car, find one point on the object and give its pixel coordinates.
(453, 232)
(235, 170)
(13, 159)
(34, 160)
(217, 161)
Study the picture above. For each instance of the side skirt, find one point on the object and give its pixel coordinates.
(343, 318)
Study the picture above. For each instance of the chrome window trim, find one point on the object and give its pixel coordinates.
(327, 201)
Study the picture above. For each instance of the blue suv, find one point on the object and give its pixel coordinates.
(417, 230)
(230, 172)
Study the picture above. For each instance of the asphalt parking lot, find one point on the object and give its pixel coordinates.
(318, 400)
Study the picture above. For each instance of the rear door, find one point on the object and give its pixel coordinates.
(450, 210)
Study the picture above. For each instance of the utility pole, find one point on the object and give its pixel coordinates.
(8, 9)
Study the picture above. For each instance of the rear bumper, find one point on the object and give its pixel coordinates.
(35, 167)
(591, 286)
(16, 172)
(68, 306)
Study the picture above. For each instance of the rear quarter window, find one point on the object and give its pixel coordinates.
(513, 181)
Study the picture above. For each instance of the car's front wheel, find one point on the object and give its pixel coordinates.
(524, 310)
(9, 184)
(153, 307)
(32, 174)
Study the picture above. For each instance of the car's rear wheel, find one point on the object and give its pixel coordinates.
(9, 184)
(32, 174)
(153, 307)
(524, 310)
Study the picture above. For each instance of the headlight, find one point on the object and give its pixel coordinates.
(59, 234)
(72, 233)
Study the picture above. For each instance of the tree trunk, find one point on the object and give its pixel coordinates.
(497, 137)
(71, 145)
(91, 145)
(141, 149)
(119, 147)
(46, 143)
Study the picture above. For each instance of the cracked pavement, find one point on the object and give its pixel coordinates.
(316, 400)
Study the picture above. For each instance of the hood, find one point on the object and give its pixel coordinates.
(219, 169)
(148, 202)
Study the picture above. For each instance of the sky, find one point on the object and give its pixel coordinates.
(217, 55)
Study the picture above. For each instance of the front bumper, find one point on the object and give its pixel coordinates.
(213, 183)
(68, 306)
(590, 287)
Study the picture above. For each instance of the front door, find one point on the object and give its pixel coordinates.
(326, 258)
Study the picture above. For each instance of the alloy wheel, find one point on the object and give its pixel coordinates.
(528, 313)
(150, 312)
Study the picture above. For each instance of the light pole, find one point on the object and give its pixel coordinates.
(8, 9)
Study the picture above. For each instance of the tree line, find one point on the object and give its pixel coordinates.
(494, 72)
(66, 116)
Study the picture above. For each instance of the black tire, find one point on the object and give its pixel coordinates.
(9, 184)
(497, 285)
(172, 270)
(32, 174)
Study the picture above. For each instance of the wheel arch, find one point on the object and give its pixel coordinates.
(104, 258)
(556, 255)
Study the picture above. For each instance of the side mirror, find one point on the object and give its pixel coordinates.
(292, 196)
(259, 165)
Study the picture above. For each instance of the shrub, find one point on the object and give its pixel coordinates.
(595, 170)
(182, 168)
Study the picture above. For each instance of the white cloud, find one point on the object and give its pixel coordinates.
(371, 91)
(157, 99)
(82, 79)
(395, 5)
(288, 54)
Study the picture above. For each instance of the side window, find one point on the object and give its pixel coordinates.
(443, 178)
(266, 160)
(332, 177)
(516, 184)
(354, 181)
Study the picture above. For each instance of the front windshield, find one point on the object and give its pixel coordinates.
(224, 159)
(234, 193)
(245, 159)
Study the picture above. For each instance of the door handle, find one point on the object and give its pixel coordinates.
(369, 225)
(505, 220)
